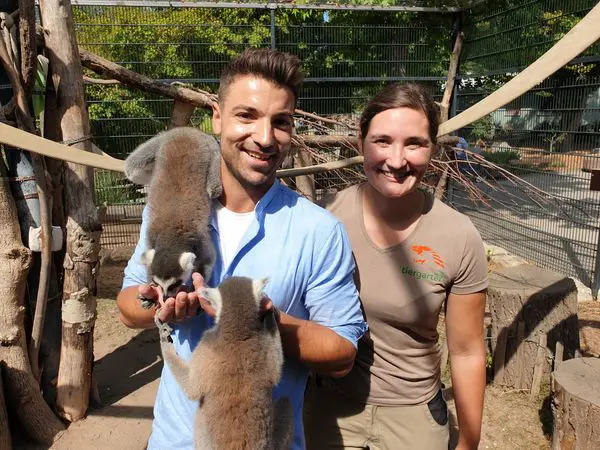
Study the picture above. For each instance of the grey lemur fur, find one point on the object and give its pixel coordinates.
(182, 170)
(232, 372)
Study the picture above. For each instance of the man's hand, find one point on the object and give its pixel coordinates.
(179, 308)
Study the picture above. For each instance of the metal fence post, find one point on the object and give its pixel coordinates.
(273, 46)
(596, 283)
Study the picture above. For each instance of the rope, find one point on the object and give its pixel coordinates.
(583, 35)
(77, 140)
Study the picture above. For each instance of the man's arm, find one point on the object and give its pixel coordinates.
(464, 330)
(132, 314)
(327, 342)
(318, 347)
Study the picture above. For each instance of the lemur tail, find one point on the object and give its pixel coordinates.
(283, 424)
(178, 367)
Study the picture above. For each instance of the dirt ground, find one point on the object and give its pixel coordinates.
(128, 364)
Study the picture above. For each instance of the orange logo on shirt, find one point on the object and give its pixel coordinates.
(422, 251)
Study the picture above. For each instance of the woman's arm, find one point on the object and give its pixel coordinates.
(464, 331)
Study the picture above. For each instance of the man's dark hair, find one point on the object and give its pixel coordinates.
(408, 95)
(280, 68)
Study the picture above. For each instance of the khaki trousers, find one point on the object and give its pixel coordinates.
(333, 421)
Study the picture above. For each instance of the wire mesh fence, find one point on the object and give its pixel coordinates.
(543, 137)
(546, 137)
(346, 59)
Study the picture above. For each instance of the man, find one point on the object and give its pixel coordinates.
(260, 228)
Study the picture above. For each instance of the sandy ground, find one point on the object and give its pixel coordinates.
(128, 364)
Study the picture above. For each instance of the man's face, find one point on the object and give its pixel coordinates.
(255, 124)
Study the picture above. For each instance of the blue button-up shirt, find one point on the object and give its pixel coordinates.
(306, 254)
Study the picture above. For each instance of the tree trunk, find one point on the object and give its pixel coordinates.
(21, 387)
(5, 440)
(576, 404)
(83, 227)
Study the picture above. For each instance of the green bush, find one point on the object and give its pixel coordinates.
(483, 128)
(112, 189)
(502, 157)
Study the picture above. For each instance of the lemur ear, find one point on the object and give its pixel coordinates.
(186, 261)
(213, 296)
(258, 286)
(147, 257)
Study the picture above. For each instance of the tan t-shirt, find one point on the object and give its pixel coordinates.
(402, 289)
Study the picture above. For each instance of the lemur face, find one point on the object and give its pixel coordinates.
(169, 271)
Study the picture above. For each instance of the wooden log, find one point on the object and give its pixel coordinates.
(83, 227)
(135, 80)
(5, 438)
(546, 303)
(576, 404)
(332, 165)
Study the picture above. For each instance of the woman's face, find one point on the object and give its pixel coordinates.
(397, 151)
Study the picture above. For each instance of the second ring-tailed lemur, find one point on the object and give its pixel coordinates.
(232, 372)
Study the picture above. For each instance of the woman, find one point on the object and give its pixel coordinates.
(413, 253)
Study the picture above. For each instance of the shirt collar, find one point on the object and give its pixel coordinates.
(261, 206)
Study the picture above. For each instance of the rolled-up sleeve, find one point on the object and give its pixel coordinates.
(331, 298)
(135, 272)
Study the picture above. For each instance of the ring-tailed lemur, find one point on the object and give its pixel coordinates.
(232, 372)
(182, 170)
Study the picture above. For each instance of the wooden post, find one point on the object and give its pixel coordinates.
(182, 114)
(21, 387)
(27, 39)
(5, 440)
(520, 357)
(558, 354)
(452, 70)
(440, 188)
(51, 341)
(25, 122)
(304, 183)
(576, 404)
(83, 227)
(538, 370)
(499, 355)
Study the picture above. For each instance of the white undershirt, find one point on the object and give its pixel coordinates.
(232, 227)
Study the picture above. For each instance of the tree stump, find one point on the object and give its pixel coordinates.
(576, 404)
(532, 309)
